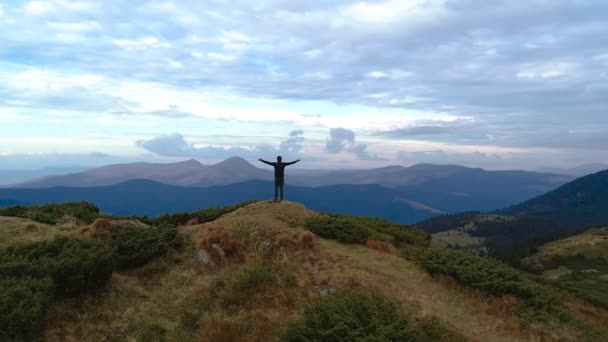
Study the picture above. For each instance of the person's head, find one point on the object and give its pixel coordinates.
(279, 159)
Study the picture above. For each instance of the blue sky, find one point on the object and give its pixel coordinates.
(496, 84)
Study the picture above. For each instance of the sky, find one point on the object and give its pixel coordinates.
(339, 84)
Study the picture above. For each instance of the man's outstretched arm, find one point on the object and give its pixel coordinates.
(293, 162)
(265, 162)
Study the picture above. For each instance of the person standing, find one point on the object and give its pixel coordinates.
(279, 175)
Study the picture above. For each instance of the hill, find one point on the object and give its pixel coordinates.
(578, 204)
(517, 231)
(257, 274)
(578, 263)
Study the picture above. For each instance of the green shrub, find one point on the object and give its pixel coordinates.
(203, 215)
(137, 246)
(23, 304)
(430, 329)
(52, 213)
(491, 276)
(256, 276)
(75, 265)
(353, 229)
(349, 316)
(151, 332)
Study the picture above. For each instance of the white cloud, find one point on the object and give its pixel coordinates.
(221, 57)
(317, 75)
(344, 140)
(548, 70)
(38, 7)
(81, 26)
(361, 65)
(175, 145)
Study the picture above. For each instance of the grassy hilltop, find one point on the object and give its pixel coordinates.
(264, 272)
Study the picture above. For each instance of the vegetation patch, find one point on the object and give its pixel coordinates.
(151, 332)
(197, 217)
(353, 229)
(256, 276)
(75, 265)
(54, 213)
(353, 316)
(23, 305)
(493, 277)
(137, 246)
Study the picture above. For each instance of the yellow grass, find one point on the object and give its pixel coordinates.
(16, 230)
(592, 243)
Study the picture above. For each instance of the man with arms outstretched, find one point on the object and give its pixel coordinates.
(279, 174)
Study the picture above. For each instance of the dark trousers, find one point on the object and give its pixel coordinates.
(278, 187)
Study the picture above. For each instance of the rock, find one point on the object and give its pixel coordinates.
(203, 257)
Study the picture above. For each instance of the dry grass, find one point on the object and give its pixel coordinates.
(382, 246)
(195, 303)
(15, 230)
(595, 316)
(591, 244)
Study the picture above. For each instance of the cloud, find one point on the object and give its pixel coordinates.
(175, 145)
(344, 140)
(526, 74)
(414, 131)
(293, 145)
(475, 158)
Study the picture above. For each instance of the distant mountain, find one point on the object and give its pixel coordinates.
(145, 197)
(578, 204)
(185, 173)
(449, 188)
(578, 171)
(9, 177)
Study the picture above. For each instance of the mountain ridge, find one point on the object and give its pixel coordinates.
(522, 184)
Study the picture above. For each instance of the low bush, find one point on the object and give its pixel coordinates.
(151, 332)
(349, 316)
(203, 215)
(75, 265)
(55, 212)
(23, 304)
(255, 277)
(353, 229)
(492, 276)
(353, 316)
(137, 246)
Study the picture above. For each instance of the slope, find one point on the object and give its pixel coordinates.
(254, 289)
(518, 230)
(578, 263)
(578, 204)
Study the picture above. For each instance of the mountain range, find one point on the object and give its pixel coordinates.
(192, 173)
(145, 197)
(402, 194)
